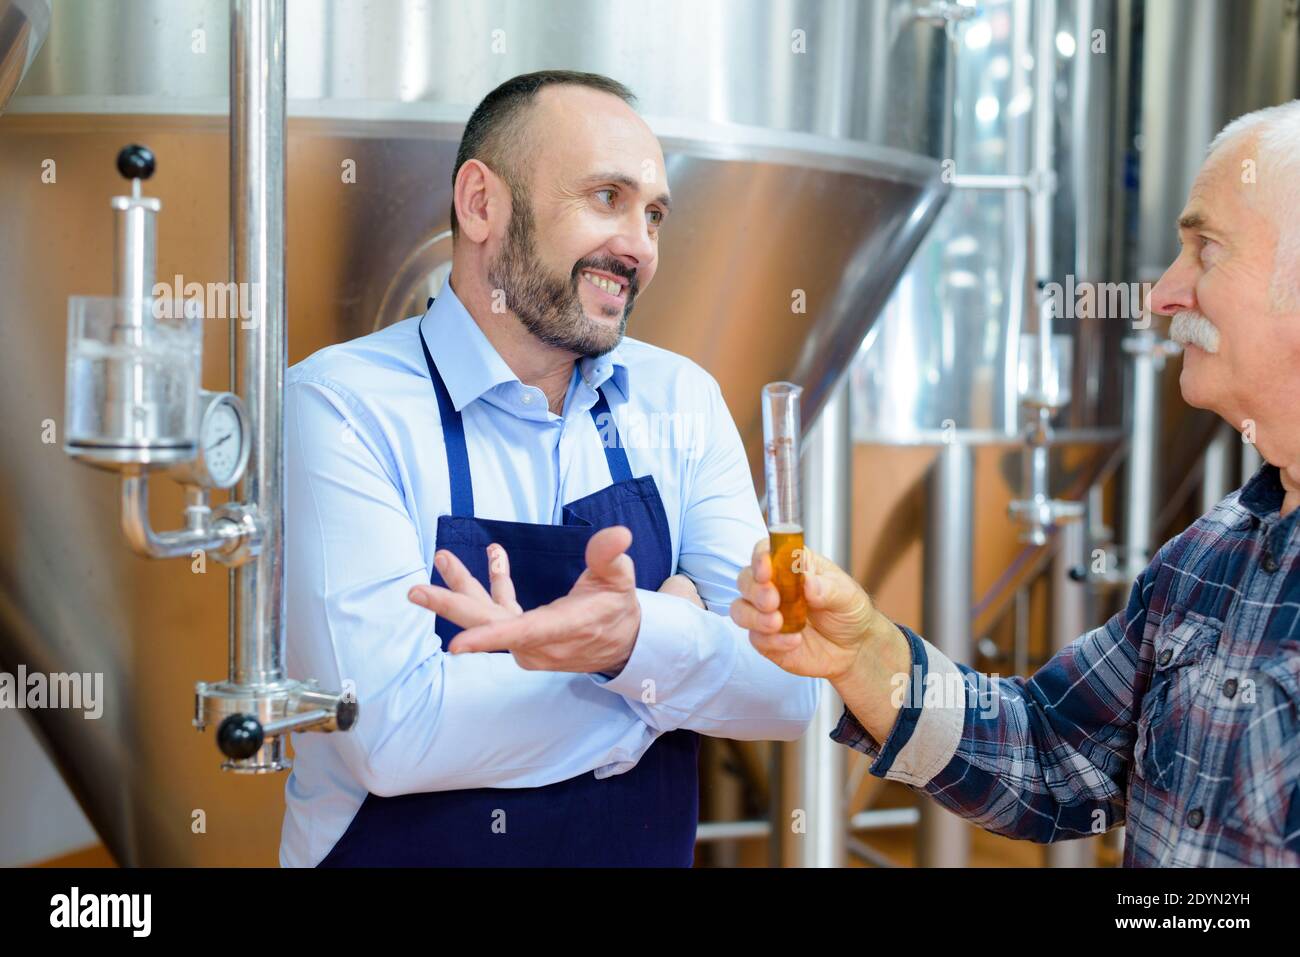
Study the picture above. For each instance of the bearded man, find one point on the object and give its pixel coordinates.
(462, 483)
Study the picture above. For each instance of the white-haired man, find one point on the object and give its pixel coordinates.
(1180, 717)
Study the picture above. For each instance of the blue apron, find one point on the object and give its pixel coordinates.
(644, 817)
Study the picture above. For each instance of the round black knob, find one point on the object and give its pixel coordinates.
(1078, 573)
(346, 716)
(240, 736)
(136, 162)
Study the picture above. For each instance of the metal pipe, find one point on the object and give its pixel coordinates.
(884, 818)
(866, 852)
(1070, 617)
(298, 722)
(717, 832)
(197, 536)
(257, 161)
(1251, 461)
(1047, 390)
(1044, 127)
(1217, 472)
(135, 251)
(1140, 473)
(1020, 637)
(994, 181)
(813, 766)
(881, 819)
(944, 838)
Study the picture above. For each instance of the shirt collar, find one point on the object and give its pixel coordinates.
(611, 366)
(470, 365)
(1262, 496)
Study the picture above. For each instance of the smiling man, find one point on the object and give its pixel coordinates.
(1180, 717)
(470, 468)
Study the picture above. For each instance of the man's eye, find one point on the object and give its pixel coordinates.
(657, 214)
(600, 192)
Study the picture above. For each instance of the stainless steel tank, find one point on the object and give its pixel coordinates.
(23, 26)
(802, 141)
(1140, 88)
(1202, 63)
(943, 363)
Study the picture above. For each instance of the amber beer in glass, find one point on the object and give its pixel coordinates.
(784, 522)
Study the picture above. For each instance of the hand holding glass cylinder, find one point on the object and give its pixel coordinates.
(781, 428)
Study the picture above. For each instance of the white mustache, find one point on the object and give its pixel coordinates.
(1194, 328)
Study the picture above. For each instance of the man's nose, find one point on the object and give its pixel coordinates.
(635, 246)
(1176, 289)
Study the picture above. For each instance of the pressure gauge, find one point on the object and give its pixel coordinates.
(223, 443)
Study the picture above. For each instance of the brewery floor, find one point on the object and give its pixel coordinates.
(987, 850)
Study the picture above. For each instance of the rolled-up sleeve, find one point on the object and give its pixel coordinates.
(924, 737)
(1044, 758)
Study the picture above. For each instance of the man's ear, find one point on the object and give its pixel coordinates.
(472, 193)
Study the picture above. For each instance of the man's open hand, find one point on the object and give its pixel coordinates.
(591, 629)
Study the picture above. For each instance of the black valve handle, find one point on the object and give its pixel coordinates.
(240, 736)
(347, 714)
(136, 162)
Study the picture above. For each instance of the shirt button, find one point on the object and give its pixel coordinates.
(1230, 688)
(1270, 563)
(527, 398)
(1195, 817)
(1166, 656)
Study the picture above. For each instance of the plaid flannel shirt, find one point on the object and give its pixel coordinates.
(1179, 718)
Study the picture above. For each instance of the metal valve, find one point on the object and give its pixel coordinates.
(135, 406)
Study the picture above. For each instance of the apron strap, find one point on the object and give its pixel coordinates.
(615, 454)
(453, 436)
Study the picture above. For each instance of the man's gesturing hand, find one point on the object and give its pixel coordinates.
(466, 602)
(591, 629)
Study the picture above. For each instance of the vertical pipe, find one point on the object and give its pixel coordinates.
(1217, 480)
(1251, 460)
(813, 766)
(257, 87)
(1042, 223)
(1020, 637)
(135, 250)
(1070, 617)
(1044, 153)
(944, 838)
(1019, 240)
(135, 257)
(1140, 472)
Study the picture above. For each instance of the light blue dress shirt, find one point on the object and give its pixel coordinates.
(366, 482)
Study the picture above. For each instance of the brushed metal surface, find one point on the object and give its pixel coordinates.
(23, 26)
(941, 361)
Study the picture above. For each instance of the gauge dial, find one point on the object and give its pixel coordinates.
(223, 442)
(222, 438)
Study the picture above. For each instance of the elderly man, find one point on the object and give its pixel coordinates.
(473, 459)
(1180, 717)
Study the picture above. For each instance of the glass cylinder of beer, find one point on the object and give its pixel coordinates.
(784, 521)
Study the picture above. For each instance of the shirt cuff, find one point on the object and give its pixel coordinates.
(929, 725)
(659, 655)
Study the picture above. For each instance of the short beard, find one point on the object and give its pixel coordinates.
(1192, 327)
(547, 306)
